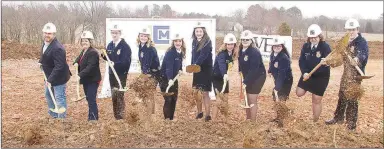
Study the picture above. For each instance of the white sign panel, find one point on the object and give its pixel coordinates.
(265, 49)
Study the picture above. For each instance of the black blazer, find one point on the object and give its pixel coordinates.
(54, 63)
(89, 69)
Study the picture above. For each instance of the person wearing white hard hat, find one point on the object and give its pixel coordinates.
(223, 63)
(54, 64)
(280, 69)
(358, 50)
(119, 53)
(148, 58)
(202, 81)
(312, 53)
(253, 72)
(89, 72)
(172, 66)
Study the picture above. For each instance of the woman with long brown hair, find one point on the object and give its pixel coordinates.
(202, 56)
(170, 68)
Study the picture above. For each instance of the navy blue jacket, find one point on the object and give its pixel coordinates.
(251, 65)
(309, 59)
(222, 60)
(89, 66)
(120, 56)
(149, 60)
(280, 67)
(172, 63)
(361, 50)
(54, 63)
(202, 57)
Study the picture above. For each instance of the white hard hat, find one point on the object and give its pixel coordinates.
(145, 31)
(247, 34)
(351, 24)
(199, 25)
(49, 28)
(176, 36)
(87, 34)
(277, 41)
(314, 30)
(230, 38)
(115, 27)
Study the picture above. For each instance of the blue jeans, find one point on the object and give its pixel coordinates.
(59, 93)
(90, 91)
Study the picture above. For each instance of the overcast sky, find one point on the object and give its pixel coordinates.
(340, 9)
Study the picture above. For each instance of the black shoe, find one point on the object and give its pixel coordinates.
(334, 121)
(351, 126)
(199, 116)
(208, 118)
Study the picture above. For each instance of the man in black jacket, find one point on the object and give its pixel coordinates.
(55, 67)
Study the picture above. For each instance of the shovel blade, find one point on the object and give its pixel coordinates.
(365, 77)
(77, 99)
(60, 110)
(193, 68)
(168, 94)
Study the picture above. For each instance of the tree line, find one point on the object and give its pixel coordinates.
(23, 23)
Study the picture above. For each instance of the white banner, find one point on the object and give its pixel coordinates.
(265, 49)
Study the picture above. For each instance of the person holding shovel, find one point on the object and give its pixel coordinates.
(149, 60)
(89, 72)
(350, 87)
(253, 71)
(312, 53)
(56, 71)
(119, 54)
(202, 81)
(170, 68)
(280, 70)
(223, 61)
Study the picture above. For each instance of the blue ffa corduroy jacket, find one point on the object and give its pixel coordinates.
(280, 67)
(121, 57)
(361, 50)
(149, 60)
(310, 58)
(222, 60)
(172, 63)
(202, 57)
(251, 65)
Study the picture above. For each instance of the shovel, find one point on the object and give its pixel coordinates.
(221, 94)
(169, 86)
(246, 106)
(114, 72)
(193, 68)
(362, 75)
(56, 110)
(77, 86)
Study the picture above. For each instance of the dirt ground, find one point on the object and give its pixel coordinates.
(24, 113)
(25, 122)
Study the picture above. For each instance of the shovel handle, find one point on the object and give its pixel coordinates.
(313, 71)
(174, 79)
(113, 70)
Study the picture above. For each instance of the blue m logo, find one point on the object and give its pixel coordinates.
(161, 34)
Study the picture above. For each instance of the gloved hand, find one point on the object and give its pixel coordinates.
(111, 63)
(76, 64)
(170, 82)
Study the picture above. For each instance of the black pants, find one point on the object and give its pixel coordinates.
(348, 106)
(169, 101)
(90, 91)
(118, 96)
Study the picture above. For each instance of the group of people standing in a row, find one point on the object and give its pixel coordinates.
(251, 68)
